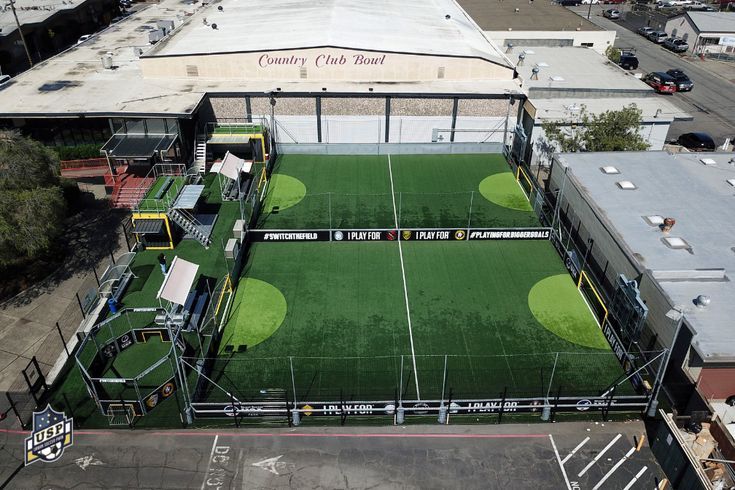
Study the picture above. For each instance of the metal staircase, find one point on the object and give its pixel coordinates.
(189, 223)
(200, 154)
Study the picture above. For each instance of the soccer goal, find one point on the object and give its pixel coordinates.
(120, 414)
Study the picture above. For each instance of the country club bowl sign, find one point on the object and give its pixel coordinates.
(320, 60)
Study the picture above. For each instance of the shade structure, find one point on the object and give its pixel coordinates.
(178, 281)
(138, 145)
(232, 166)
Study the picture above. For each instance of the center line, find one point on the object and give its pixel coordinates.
(403, 274)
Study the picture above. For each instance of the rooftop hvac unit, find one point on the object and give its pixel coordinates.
(165, 25)
(155, 36)
(107, 61)
(137, 52)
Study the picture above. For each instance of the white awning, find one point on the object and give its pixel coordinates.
(178, 281)
(232, 165)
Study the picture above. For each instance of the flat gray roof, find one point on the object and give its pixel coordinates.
(653, 109)
(399, 26)
(536, 15)
(718, 22)
(74, 83)
(571, 68)
(32, 12)
(700, 199)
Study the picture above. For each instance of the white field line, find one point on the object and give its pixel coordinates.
(612, 470)
(599, 455)
(574, 451)
(561, 465)
(209, 463)
(589, 307)
(635, 478)
(405, 288)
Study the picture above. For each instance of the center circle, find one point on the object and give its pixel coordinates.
(503, 190)
(285, 191)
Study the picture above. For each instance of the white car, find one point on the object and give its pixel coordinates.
(83, 38)
(593, 2)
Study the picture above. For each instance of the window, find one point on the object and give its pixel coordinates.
(588, 45)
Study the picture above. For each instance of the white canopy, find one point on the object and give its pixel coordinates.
(232, 165)
(178, 281)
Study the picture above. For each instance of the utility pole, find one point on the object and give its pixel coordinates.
(20, 31)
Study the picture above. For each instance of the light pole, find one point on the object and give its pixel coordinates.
(20, 31)
(676, 314)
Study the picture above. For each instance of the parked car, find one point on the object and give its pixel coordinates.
(570, 3)
(663, 83)
(683, 82)
(657, 36)
(697, 141)
(628, 61)
(645, 31)
(83, 38)
(614, 2)
(611, 14)
(593, 2)
(676, 45)
(4, 79)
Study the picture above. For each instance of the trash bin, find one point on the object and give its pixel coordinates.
(112, 305)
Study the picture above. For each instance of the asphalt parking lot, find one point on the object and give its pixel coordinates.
(572, 455)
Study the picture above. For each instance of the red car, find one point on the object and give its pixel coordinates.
(663, 83)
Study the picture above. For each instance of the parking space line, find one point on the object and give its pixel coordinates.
(599, 455)
(575, 450)
(614, 468)
(561, 465)
(635, 478)
(209, 463)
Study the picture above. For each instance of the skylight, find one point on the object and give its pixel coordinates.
(654, 220)
(626, 185)
(708, 161)
(609, 169)
(675, 242)
(731, 182)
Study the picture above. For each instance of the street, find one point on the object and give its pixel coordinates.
(711, 102)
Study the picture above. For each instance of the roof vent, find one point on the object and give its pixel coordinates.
(731, 182)
(542, 64)
(702, 301)
(654, 220)
(609, 169)
(534, 73)
(675, 242)
(556, 78)
(708, 161)
(626, 185)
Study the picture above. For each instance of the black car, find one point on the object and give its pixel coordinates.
(629, 61)
(683, 83)
(570, 3)
(697, 141)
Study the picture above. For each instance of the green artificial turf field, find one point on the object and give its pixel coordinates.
(484, 304)
(430, 191)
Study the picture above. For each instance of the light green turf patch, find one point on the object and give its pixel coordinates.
(285, 191)
(558, 306)
(259, 309)
(503, 190)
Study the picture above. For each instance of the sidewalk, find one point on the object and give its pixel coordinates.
(28, 321)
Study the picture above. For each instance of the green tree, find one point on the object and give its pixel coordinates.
(613, 54)
(26, 164)
(607, 131)
(32, 206)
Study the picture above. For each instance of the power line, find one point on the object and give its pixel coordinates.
(20, 31)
